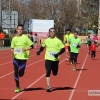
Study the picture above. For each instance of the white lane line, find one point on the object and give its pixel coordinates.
(6, 63)
(12, 61)
(32, 83)
(27, 66)
(71, 95)
(6, 56)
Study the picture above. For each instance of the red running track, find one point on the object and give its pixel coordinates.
(67, 85)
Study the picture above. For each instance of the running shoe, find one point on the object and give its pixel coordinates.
(17, 90)
(71, 62)
(74, 68)
(48, 89)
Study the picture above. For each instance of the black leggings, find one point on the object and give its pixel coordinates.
(51, 65)
(93, 54)
(73, 57)
(19, 68)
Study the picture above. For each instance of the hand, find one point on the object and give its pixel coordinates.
(12, 51)
(23, 49)
(78, 46)
(56, 55)
(38, 53)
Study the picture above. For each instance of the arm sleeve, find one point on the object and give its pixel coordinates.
(61, 51)
(41, 49)
(43, 46)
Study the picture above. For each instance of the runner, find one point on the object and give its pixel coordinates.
(67, 47)
(30, 36)
(89, 42)
(75, 44)
(35, 38)
(93, 49)
(20, 46)
(54, 48)
(95, 38)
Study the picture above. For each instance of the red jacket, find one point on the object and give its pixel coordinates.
(93, 47)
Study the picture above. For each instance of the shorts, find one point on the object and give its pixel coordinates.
(95, 42)
(67, 47)
(73, 56)
(51, 66)
(89, 45)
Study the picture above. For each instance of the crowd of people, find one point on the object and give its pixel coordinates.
(21, 45)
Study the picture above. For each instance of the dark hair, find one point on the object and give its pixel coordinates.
(51, 28)
(20, 25)
(36, 34)
(30, 33)
(69, 30)
(76, 32)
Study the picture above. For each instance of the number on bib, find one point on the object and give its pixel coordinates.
(51, 54)
(75, 44)
(17, 51)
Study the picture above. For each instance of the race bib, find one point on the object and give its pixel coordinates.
(51, 54)
(75, 44)
(17, 51)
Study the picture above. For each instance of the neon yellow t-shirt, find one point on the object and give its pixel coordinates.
(53, 46)
(18, 43)
(73, 44)
(66, 38)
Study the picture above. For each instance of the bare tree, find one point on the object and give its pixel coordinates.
(22, 7)
(63, 12)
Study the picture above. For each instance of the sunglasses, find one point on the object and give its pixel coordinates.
(52, 31)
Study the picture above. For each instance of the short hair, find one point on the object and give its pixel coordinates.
(69, 30)
(35, 34)
(76, 32)
(51, 28)
(20, 25)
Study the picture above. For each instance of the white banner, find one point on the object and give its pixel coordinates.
(40, 27)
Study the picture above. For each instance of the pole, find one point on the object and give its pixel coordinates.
(64, 30)
(0, 13)
(9, 19)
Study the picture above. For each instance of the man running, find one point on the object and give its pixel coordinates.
(54, 48)
(75, 44)
(67, 47)
(20, 46)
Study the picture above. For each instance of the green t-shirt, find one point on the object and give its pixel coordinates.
(18, 43)
(89, 41)
(53, 46)
(73, 44)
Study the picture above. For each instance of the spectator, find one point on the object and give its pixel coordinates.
(2, 36)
